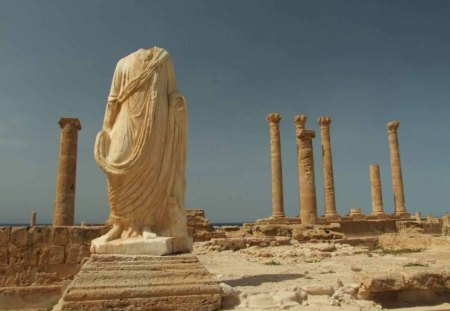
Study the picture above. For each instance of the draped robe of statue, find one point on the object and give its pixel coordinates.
(142, 150)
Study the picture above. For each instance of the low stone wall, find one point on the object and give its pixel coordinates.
(368, 227)
(39, 259)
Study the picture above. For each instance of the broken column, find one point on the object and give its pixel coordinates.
(33, 217)
(396, 170)
(305, 160)
(64, 206)
(327, 165)
(277, 174)
(375, 187)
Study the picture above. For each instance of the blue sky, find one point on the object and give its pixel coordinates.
(363, 63)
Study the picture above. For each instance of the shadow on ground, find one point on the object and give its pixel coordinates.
(256, 280)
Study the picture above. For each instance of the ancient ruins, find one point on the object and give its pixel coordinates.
(153, 254)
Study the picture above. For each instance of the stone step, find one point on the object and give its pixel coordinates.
(120, 282)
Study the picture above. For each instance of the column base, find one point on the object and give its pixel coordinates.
(332, 216)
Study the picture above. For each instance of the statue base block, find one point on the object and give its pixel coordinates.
(124, 282)
(135, 246)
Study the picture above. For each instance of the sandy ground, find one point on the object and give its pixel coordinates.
(255, 271)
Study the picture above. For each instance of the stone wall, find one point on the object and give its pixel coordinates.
(201, 229)
(37, 260)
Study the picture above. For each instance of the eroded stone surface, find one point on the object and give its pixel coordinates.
(112, 282)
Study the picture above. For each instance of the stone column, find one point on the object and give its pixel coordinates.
(305, 160)
(327, 165)
(33, 217)
(277, 174)
(375, 186)
(64, 206)
(396, 170)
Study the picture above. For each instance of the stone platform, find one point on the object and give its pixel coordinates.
(125, 282)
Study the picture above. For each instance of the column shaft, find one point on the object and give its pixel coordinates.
(375, 186)
(396, 170)
(327, 166)
(277, 174)
(33, 217)
(305, 160)
(64, 206)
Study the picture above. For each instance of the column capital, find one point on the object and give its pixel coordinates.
(75, 122)
(392, 126)
(324, 121)
(300, 121)
(273, 118)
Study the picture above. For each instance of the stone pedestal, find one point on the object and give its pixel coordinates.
(277, 174)
(64, 206)
(120, 282)
(327, 165)
(375, 186)
(142, 246)
(355, 213)
(305, 160)
(396, 170)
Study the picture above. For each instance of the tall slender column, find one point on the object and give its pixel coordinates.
(305, 160)
(375, 186)
(277, 174)
(327, 165)
(396, 170)
(64, 206)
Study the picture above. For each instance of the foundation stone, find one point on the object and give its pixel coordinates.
(115, 282)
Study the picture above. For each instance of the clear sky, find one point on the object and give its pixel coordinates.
(363, 63)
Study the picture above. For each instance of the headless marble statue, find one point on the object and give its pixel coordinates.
(142, 150)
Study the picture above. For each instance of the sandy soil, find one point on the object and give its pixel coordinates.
(257, 271)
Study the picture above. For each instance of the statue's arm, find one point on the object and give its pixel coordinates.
(112, 107)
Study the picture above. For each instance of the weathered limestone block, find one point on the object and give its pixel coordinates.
(40, 235)
(47, 278)
(4, 235)
(433, 280)
(317, 232)
(196, 218)
(44, 256)
(18, 275)
(232, 244)
(120, 282)
(260, 231)
(76, 252)
(403, 285)
(29, 297)
(382, 282)
(60, 235)
(56, 254)
(84, 235)
(20, 256)
(20, 236)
